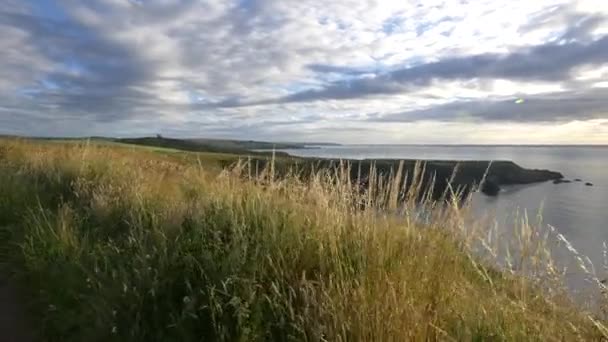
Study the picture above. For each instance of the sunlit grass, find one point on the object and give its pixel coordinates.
(112, 243)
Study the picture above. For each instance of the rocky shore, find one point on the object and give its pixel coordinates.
(434, 175)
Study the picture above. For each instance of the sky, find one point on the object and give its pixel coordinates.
(426, 72)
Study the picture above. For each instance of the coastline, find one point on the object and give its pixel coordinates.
(436, 175)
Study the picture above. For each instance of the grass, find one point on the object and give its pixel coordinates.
(213, 145)
(191, 145)
(118, 244)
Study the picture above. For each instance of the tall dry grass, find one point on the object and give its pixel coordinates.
(124, 245)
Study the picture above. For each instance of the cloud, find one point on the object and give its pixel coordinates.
(579, 26)
(84, 72)
(207, 67)
(343, 70)
(543, 108)
(550, 62)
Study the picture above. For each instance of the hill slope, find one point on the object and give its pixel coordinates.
(118, 244)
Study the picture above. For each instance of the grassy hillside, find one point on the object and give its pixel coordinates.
(208, 145)
(192, 145)
(119, 244)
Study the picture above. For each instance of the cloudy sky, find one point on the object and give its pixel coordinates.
(377, 71)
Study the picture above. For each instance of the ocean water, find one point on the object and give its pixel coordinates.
(577, 211)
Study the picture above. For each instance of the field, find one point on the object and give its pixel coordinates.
(192, 145)
(108, 242)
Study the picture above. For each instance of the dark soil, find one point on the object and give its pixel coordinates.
(13, 322)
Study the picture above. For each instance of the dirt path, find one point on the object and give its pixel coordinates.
(13, 327)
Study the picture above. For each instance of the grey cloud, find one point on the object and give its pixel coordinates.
(94, 76)
(548, 62)
(90, 73)
(546, 108)
(348, 90)
(578, 26)
(324, 68)
(583, 25)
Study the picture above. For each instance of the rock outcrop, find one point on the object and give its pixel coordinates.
(433, 176)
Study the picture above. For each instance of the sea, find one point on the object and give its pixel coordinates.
(576, 211)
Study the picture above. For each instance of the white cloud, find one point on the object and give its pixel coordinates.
(126, 66)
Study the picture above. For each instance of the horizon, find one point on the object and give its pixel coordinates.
(441, 73)
(301, 142)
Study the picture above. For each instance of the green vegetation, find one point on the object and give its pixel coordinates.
(437, 175)
(119, 244)
(208, 145)
(192, 145)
